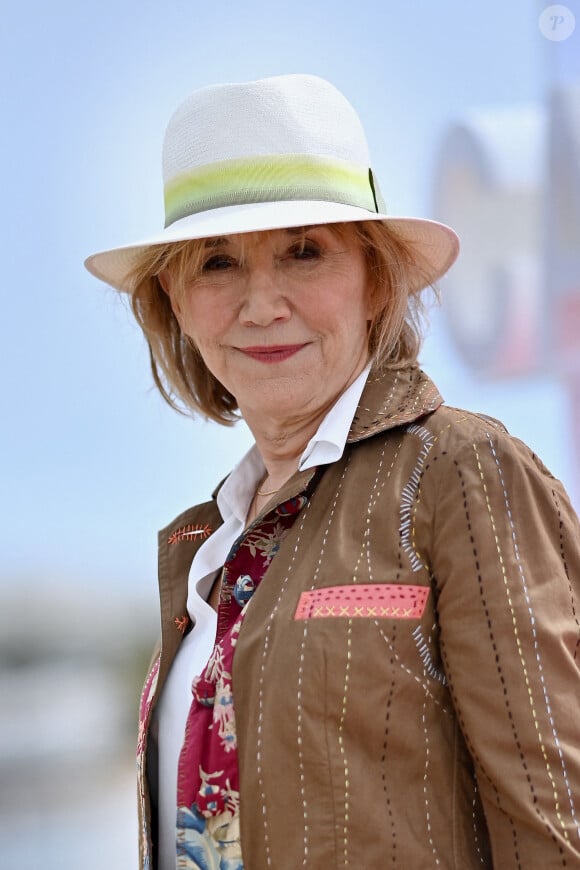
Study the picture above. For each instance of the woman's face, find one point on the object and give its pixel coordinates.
(280, 318)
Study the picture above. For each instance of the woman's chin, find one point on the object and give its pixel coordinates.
(280, 397)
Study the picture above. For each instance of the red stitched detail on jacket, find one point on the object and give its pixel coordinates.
(186, 533)
(367, 601)
(181, 623)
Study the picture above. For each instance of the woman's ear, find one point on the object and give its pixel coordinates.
(165, 281)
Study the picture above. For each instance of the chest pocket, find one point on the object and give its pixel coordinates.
(363, 601)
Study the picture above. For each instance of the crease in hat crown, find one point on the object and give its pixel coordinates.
(292, 137)
(278, 152)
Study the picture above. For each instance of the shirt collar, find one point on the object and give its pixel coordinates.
(328, 444)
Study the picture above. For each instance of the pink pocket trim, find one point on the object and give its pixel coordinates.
(370, 601)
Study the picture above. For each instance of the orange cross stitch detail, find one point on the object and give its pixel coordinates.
(186, 533)
(181, 623)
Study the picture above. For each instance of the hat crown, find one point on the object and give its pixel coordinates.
(282, 115)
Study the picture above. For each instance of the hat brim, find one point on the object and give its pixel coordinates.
(437, 245)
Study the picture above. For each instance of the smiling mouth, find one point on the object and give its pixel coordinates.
(272, 353)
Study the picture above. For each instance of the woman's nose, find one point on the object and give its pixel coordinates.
(264, 300)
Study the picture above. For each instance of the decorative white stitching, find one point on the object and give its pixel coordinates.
(425, 655)
(409, 492)
(265, 649)
(536, 650)
(425, 779)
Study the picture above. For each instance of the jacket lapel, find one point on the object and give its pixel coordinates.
(395, 398)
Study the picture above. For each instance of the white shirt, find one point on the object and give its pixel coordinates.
(233, 501)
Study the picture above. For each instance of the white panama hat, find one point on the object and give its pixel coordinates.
(287, 151)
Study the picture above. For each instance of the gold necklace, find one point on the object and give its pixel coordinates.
(253, 511)
(267, 492)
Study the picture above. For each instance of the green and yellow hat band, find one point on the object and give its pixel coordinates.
(275, 178)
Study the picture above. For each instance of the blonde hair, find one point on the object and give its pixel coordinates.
(396, 273)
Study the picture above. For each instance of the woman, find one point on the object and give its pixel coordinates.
(405, 678)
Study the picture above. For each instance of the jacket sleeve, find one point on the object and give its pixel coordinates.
(505, 559)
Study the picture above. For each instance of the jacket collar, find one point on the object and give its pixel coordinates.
(393, 398)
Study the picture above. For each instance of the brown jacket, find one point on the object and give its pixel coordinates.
(406, 680)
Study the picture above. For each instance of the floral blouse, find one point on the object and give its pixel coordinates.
(208, 802)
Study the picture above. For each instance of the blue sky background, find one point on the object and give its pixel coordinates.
(93, 462)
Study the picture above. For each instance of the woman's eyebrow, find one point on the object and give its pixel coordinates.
(299, 231)
(221, 241)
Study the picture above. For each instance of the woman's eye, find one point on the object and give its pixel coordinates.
(306, 251)
(217, 263)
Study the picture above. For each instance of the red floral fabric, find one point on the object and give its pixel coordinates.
(208, 777)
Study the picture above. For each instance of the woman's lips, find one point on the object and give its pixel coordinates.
(272, 353)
